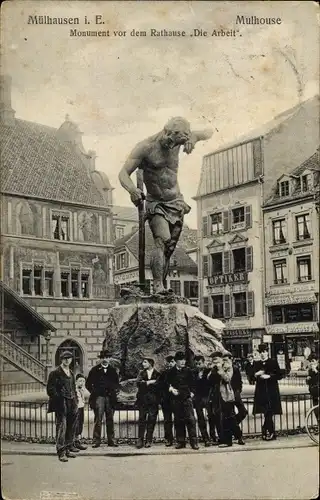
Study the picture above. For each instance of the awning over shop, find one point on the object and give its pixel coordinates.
(293, 328)
(281, 300)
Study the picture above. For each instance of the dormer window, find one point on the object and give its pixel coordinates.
(305, 182)
(284, 188)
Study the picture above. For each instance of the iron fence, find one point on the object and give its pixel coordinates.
(20, 388)
(30, 421)
(293, 380)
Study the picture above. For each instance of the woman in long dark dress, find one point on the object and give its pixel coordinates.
(267, 395)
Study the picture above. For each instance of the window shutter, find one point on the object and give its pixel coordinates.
(226, 221)
(249, 259)
(250, 303)
(226, 262)
(126, 259)
(227, 306)
(205, 226)
(248, 215)
(206, 306)
(205, 267)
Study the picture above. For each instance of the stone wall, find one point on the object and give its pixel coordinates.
(83, 323)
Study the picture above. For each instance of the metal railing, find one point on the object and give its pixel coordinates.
(20, 388)
(291, 380)
(30, 421)
(22, 359)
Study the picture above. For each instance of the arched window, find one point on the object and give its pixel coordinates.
(24, 219)
(74, 347)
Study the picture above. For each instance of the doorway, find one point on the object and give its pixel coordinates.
(74, 347)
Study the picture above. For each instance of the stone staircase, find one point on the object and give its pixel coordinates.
(21, 359)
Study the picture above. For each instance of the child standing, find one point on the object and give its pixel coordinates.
(80, 384)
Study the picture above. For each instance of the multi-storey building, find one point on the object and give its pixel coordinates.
(182, 277)
(291, 223)
(235, 181)
(125, 220)
(56, 232)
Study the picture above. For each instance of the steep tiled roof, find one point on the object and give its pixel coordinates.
(36, 163)
(127, 213)
(313, 164)
(131, 241)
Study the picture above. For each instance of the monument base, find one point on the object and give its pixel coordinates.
(156, 326)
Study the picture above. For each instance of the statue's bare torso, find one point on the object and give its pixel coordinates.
(160, 170)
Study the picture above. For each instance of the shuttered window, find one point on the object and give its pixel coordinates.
(250, 303)
(206, 306)
(205, 266)
(205, 226)
(227, 306)
(226, 221)
(249, 259)
(226, 262)
(248, 215)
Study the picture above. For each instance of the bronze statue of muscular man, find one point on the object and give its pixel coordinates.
(158, 158)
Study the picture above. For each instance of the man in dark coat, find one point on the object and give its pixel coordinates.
(147, 401)
(166, 401)
(103, 385)
(313, 379)
(182, 386)
(249, 369)
(61, 389)
(267, 395)
(200, 399)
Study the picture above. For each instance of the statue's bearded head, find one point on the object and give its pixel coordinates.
(176, 132)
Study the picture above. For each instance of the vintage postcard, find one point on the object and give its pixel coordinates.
(159, 277)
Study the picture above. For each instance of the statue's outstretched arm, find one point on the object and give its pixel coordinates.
(196, 136)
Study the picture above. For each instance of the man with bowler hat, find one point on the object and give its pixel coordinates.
(103, 385)
(182, 387)
(267, 395)
(61, 389)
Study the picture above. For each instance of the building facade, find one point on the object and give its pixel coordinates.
(234, 183)
(125, 220)
(182, 276)
(291, 223)
(56, 233)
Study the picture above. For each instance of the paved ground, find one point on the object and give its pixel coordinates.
(265, 473)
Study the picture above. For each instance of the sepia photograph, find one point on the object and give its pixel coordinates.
(159, 272)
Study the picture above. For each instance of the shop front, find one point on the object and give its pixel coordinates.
(296, 341)
(241, 341)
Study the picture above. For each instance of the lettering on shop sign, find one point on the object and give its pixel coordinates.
(225, 279)
(237, 333)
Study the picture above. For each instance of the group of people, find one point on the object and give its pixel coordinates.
(180, 391)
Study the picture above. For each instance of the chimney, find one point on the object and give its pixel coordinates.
(91, 155)
(6, 111)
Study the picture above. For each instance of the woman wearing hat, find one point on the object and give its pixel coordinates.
(267, 395)
(61, 389)
(103, 385)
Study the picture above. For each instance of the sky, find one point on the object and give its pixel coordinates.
(120, 90)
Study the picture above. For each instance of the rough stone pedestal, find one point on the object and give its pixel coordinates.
(156, 327)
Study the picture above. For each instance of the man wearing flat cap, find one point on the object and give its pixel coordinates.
(61, 389)
(103, 385)
(181, 382)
